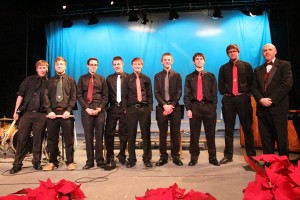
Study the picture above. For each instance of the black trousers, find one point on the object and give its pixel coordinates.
(163, 125)
(93, 127)
(53, 130)
(142, 116)
(115, 114)
(274, 128)
(205, 113)
(35, 123)
(240, 105)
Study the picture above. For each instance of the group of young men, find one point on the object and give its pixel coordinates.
(128, 101)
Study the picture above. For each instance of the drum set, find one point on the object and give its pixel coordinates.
(8, 135)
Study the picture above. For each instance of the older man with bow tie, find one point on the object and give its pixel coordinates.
(271, 85)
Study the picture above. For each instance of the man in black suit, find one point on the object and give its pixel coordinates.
(30, 99)
(271, 85)
(137, 102)
(200, 99)
(115, 113)
(59, 101)
(92, 94)
(167, 90)
(234, 83)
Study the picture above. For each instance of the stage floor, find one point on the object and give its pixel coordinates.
(225, 182)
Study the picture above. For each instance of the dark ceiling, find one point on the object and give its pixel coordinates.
(53, 8)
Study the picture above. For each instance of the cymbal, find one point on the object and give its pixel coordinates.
(6, 119)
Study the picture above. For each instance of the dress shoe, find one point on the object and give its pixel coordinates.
(88, 166)
(177, 162)
(49, 167)
(101, 164)
(225, 160)
(148, 164)
(193, 162)
(111, 162)
(122, 161)
(15, 169)
(214, 162)
(129, 164)
(71, 166)
(37, 167)
(161, 162)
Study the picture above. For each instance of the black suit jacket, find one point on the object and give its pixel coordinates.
(278, 86)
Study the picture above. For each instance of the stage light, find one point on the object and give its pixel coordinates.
(67, 23)
(93, 19)
(217, 14)
(173, 15)
(144, 19)
(255, 10)
(133, 16)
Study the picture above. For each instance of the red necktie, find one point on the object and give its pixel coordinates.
(266, 77)
(235, 87)
(199, 88)
(138, 88)
(90, 90)
(266, 80)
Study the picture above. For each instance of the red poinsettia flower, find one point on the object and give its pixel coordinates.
(63, 190)
(279, 179)
(174, 193)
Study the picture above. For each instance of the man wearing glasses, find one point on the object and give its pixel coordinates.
(234, 83)
(92, 94)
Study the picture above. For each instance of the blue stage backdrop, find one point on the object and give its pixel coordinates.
(192, 32)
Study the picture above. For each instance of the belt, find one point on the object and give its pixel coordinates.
(119, 104)
(138, 105)
(232, 95)
(201, 102)
(31, 111)
(59, 109)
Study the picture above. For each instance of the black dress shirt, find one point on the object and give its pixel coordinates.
(100, 91)
(209, 88)
(129, 94)
(111, 81)
(31, 88)
(69, 94)
(175, 87)
(245, 76)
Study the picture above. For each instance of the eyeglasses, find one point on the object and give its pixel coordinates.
(93, 65)
(232, 51)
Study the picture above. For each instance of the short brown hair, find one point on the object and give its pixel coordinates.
(198, 55)
(60, 58)
(88, 61)
(233, 46)
(41, 63)
(137, 59)
(166, 54)
(117, 58)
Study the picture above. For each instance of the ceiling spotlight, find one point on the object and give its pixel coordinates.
(64, 7)
(93, 19)
(67, 23)
(173, 15)
(144, 19)
(112, 3)
(255, 10)
(217, 14)
(133, 16)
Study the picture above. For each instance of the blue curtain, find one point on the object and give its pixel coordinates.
(192, 32)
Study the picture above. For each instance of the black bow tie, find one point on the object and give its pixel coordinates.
(268, 63)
